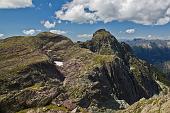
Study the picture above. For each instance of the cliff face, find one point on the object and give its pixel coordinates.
(99, 75)
(152, 105)
(126, 77)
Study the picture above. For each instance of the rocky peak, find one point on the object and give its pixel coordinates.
(104, 43)
(102, 36)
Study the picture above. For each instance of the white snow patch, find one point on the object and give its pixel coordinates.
(58, 63)
(132, 68)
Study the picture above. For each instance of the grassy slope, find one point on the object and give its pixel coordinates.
(17, 53)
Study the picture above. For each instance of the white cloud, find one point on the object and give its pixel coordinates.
(152, 37)
(130, 31)
(146, 12)
(30, 31)
(163, 21)
(60, 32)
(5, 4)
(84, 36)
(1, 35)
(48, 24)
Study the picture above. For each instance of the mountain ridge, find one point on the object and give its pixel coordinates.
(90, 79)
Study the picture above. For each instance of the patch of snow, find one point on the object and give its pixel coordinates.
(49, 50)
(132, 68)
(58, 63)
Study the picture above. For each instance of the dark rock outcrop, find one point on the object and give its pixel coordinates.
(113, 82)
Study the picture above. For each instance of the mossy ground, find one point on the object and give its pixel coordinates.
(37, 86)
(100, 60)
(55, 107)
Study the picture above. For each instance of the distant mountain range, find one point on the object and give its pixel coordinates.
(156, 52)
(149, 43)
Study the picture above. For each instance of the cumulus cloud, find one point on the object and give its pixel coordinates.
(5, 4)
(1, 35)
(130, 31)
(146, 12)
(163, 21)
(48, 24)
(84, 36)
(60, 32)
(30, 31)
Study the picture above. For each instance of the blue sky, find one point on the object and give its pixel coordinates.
(41, 16)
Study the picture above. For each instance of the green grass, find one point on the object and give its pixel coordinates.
(2, 97)
(37, 86)
(57, 108)
(96, 61)
(100, 59)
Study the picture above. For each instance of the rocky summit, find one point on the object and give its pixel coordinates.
(48, 73)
